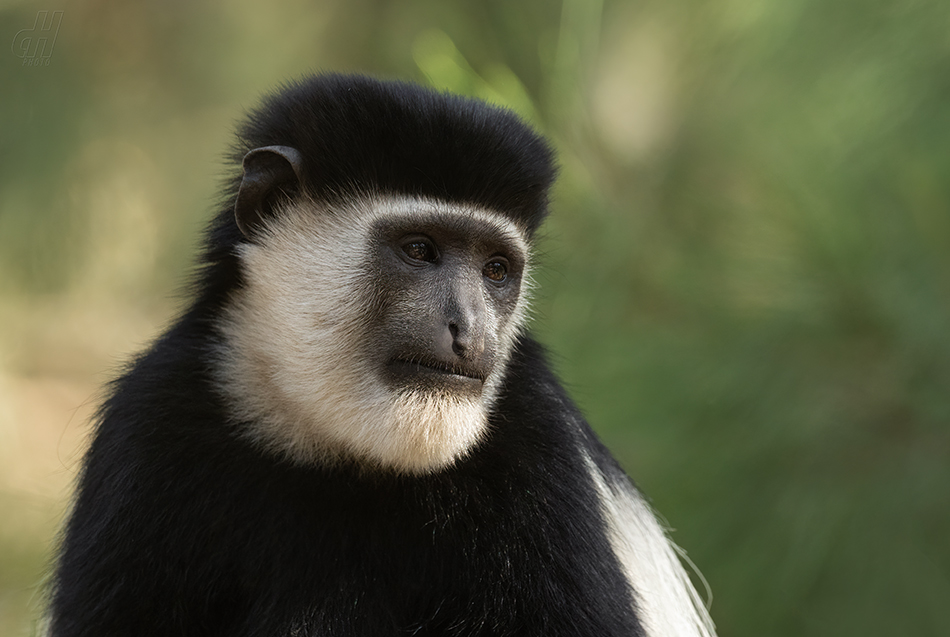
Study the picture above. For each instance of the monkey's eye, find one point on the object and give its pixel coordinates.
(420, 249)
(496, 270)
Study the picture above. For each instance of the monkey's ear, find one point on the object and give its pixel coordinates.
(269, 172)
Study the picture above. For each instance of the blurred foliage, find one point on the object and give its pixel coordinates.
(745, 281)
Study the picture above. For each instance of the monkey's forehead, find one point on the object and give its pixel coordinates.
(373, 217)
(420, 213)
(362, 217)
(357, 134)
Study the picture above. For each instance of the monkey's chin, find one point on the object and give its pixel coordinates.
(426, 430)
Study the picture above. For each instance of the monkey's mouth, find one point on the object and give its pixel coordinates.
(430, 371)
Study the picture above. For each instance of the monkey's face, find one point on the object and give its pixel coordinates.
(378, 332)
(447, 286)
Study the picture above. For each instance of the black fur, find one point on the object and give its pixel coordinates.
(181, 528)
(360, 135)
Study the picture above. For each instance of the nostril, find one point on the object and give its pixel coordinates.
(459, 344)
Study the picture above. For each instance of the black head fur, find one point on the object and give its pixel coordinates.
(358, 135)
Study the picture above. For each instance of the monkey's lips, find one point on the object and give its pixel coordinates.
(431, 373)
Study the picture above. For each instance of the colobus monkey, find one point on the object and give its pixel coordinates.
(349, 431)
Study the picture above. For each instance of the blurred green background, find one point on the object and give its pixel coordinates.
(745, 280)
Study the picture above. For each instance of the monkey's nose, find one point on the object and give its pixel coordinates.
(465, 342)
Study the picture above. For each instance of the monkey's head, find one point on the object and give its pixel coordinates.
(383, 235)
